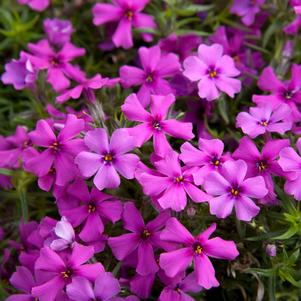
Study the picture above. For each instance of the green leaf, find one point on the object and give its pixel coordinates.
(288, 234)
(223, 110)
(193, 9)
(261, 272)
(6, 172)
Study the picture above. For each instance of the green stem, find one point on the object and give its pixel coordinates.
(24, 205)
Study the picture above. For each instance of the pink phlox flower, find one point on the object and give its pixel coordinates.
(281, 92)
(105, 288)
(107, 158)
(57, 272)
(213, 71)
(262, 163)
(155, 123)
(65, 233)
(57, 157)
(171, 183)
(230, 188)
(20, 73)
(195, 249)
(85, 86)
(207, 158)
(127, 14)
(38, 5)
(58, 31)
(290, 161)
(151, 77)
(57, 63)
(247, 10)
(92, 211)
(265, 119)
(143, 239)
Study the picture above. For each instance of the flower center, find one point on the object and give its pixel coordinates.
(264, 123)
(91, 208)
(145, 234)
(149, 79)
(197, 248)
(179, 179)
(55, 61)
(178, 290)
(129, 15)
(288, 95)
(55, 146)
(235, 192)
(261, 165)
(108, 157)
(212, 73)
(66, 274)
(215, 162)
(157, 125)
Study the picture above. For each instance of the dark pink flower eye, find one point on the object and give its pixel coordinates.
(235, 192)
(129, 15)
(197, 248)
(145, 234)
(66, 274)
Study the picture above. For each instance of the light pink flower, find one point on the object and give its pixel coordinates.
(213, 71)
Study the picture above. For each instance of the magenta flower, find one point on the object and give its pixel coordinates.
(85, 86)
(262, 163)
(213, 71)
(246, 9)
(38, 5)
(154, 124)
(293, 27)
(66, 236)
(155, 68)
(144, 238)
(265, 119)
(58, 31)
(290, 162)
(57, 64)
(59, 272)
(23, 281)
(19, 73)
(195, 249)
(92, 211)
(229, 189)
(178, 289)
(288, 92)
(12, 148)
(171, 183)
(180, 45)
(106, 287)
(233, 42)
(207, 158)
(128, 14)
(59, 152)
(106, 158)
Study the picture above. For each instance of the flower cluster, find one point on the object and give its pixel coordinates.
(136, 187)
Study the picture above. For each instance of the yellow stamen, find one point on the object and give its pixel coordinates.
(129, 14)
(234, 192)
(179, 179)
(146, 234)
(149, 79)
(264, 123)
(66, 274)
(212, 73)
(108, 157)
(198, 249)
(91, 208)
